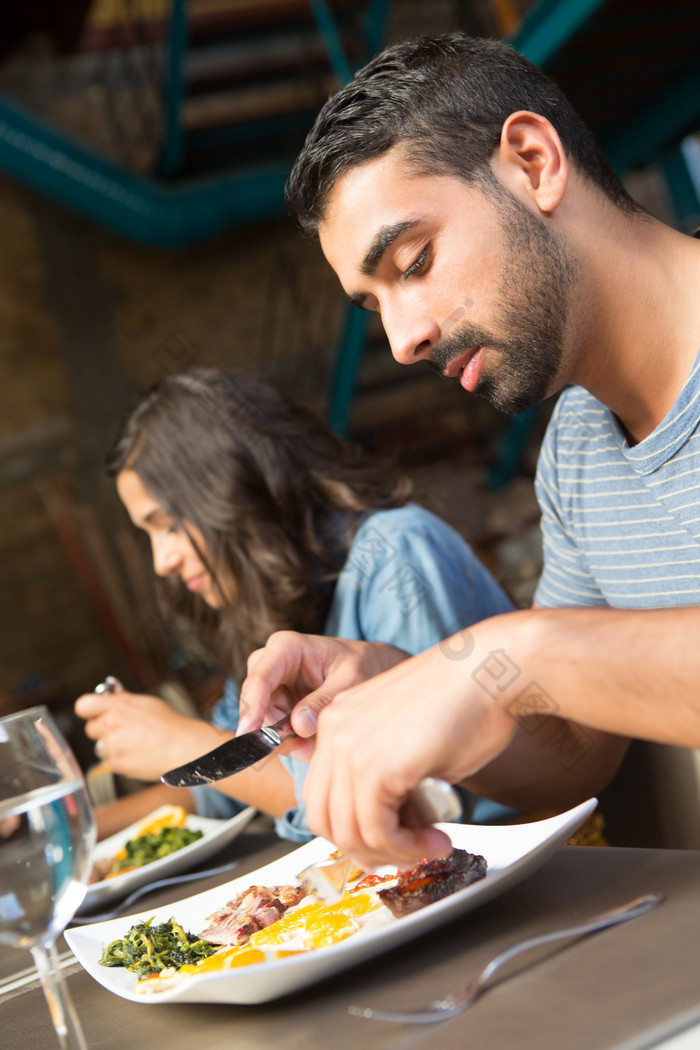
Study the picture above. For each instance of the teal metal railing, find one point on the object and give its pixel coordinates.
(132, 205)
(147, 209)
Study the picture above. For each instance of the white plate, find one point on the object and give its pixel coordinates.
(512, 852)
(217, 833)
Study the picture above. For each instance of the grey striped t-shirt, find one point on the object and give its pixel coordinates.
(620, 524)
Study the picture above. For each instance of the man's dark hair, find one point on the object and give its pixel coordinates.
(445, 100)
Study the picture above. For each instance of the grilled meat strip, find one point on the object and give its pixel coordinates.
(431, 880)
(253, 910)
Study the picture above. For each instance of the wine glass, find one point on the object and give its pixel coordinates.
(47, 832)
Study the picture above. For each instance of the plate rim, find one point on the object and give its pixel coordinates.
(216, 830)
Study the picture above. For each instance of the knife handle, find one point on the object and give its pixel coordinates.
(279, 731)
(434, 801)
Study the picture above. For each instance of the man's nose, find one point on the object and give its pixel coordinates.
(411, 336)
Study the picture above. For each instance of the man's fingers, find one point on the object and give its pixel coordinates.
(254, 702)
(305, 714)
(269, 669)
(253, 658)
(407, 846)
(301, 751)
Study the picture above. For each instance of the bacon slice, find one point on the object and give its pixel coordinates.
(254, 909)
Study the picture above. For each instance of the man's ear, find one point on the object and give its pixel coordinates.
(530, 160)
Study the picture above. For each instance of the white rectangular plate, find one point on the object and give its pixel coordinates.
(512, 852)
(217, 833)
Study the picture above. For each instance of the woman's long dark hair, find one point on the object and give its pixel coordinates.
(275, 495)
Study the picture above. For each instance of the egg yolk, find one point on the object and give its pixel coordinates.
(225, 960)
(318, 924)
(174, 818)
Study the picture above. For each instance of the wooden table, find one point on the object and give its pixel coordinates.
(624, 988)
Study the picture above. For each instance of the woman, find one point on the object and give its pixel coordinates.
(262, 520)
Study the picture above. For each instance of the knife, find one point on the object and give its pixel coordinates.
(231, 757)
(432, 801)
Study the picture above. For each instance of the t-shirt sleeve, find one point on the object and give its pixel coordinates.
(293, 824)
(566, 579)
(208, 802)
(226, 711)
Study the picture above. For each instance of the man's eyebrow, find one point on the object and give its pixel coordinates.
(382, 241)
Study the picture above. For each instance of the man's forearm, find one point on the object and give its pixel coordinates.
(532, 707)
(630, 672)
(578, 682)
(552, 765)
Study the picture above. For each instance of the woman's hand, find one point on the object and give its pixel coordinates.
(141, 736)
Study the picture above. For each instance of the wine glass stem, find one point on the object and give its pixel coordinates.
(65, 1020)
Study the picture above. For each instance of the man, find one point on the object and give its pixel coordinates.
(456, 192)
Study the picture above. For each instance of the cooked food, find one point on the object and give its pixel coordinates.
(431, 880)
(314, 924)
(272, 922)
(148, 949)
(252, 910)
(162, 835)
(317, 924)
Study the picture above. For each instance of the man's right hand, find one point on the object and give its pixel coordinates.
(302, 673)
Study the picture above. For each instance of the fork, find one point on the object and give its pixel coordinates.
(159, 884)
(461, 999)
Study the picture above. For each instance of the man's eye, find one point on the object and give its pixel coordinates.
(418, 265)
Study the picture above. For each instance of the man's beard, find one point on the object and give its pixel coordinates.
(532, 305)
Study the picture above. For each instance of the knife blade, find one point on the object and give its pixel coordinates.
(231, 757)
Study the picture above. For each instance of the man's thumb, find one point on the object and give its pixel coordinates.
(305, 714)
